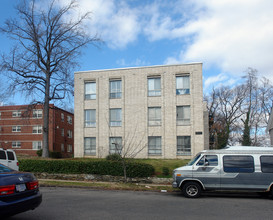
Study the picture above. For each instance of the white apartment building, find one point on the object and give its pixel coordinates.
(148, 112)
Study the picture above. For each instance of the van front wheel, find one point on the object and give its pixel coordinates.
(191, 190)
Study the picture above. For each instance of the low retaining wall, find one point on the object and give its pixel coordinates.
(103, 178)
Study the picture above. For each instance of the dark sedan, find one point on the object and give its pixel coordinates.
(19, 192)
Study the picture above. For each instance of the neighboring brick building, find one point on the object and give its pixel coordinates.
(21, 129)
(157, 108)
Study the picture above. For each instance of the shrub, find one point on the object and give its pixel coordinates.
(103, 167)
(114, 157)
(165, 171)
(51, 154)
(39, 152)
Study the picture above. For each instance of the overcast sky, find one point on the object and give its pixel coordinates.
(227, 36)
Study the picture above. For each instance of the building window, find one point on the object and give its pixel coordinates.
(62, 117)
(62, 147)
(16, 144)
(154, 116)
(90, 118)
(69, 148)
(16, 114)
(115, 145)
(37, 129)
(69, 119)
(183, 145)
(90, 90)
(183, 114)
(154, 145)
(115, 89)
(16, 128)
(115, 117)
(69, 134)
(37, 145)
(62, 132)
(90, 146)
(182, 85)
(154, 86)
(37, 113)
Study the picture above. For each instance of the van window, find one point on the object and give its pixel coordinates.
(238, 164)
(10, 155)
(212, 160)
(3, 155)
(267, 164)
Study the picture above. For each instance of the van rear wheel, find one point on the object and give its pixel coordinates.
(191, 190)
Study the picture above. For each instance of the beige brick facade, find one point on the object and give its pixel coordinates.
(134, 105)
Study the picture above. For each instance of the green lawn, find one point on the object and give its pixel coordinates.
(158, 164)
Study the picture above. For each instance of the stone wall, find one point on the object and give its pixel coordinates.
(102, 178)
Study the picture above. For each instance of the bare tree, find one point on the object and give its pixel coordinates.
(225, 108)
(48, 45)
(129, 147)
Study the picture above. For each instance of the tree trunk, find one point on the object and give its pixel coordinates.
(46, 119)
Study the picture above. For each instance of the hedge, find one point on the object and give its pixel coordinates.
(103, 167)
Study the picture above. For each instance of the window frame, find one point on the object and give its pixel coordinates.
(154, 149)
(183, 121)
(117, 121)
(183, 149)
(153, 92)
(37, 129)
(154, 116)
(91, 123)
(115, 88)
(183, 89)
(16, 128)
(112, 147)
(16, 114)
(93, 94)
(37, 113)
(37, 145)
(92, 146)
(69, 119)
(69, 133)
(16, 144)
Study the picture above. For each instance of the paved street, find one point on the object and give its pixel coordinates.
(75, 203)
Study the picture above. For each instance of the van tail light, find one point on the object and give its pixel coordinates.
(32, 185)
(6, 190)
(18, 164)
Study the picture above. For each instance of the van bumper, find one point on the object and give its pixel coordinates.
(175, 185)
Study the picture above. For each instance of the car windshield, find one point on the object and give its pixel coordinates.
(194, 160)
(4, 169)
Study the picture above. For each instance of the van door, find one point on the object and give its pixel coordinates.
(207, 170)
(238, 172)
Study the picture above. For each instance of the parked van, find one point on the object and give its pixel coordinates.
(233, 168)
(9, 159)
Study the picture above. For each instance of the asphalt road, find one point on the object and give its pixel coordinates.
(85, 204)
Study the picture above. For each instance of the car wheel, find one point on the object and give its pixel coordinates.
(191, 190)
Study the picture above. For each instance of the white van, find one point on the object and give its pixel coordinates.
(233, 168)
(8, 158)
